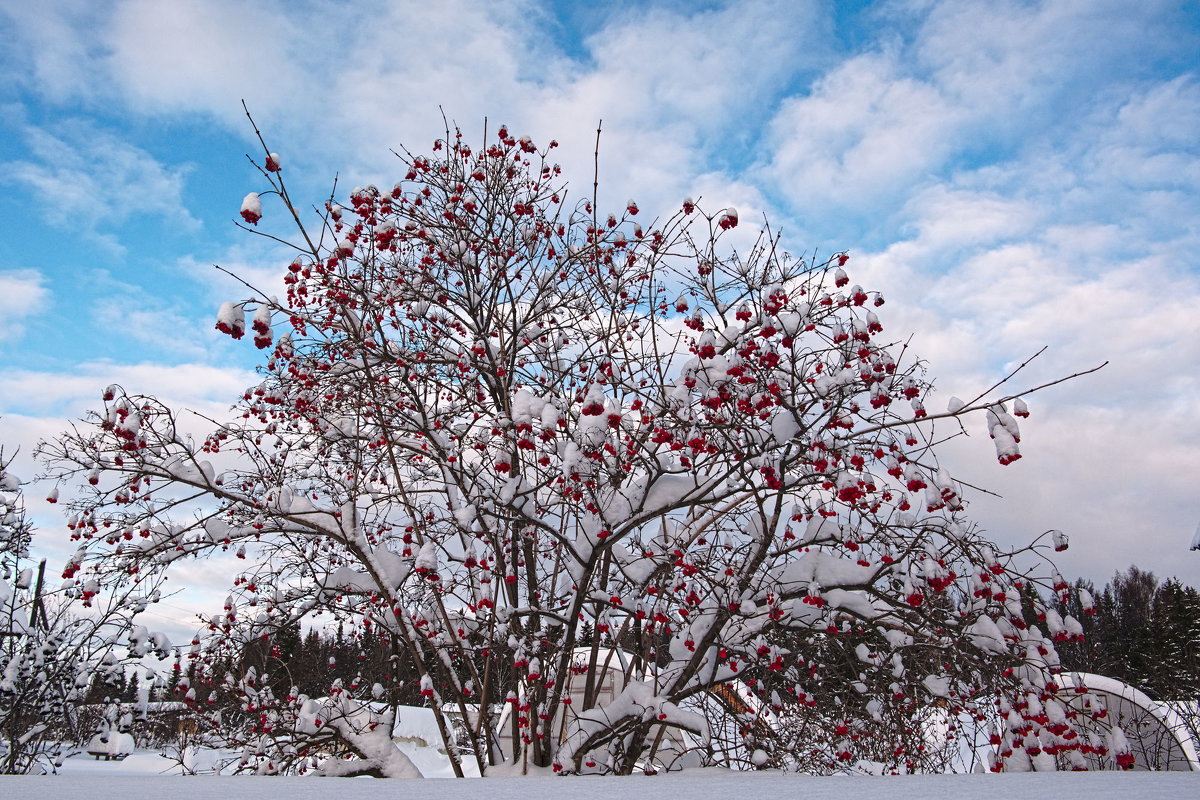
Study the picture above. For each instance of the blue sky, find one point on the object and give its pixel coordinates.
(1009, 174)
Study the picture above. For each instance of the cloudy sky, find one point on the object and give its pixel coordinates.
(1011, 175)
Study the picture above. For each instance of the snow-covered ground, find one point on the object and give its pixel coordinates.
(136, 777)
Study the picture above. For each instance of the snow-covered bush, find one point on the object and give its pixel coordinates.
(494, 418)
(341, 733)
(54, 643)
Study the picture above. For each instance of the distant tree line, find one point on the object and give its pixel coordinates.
(311, 662)
(1141, 630)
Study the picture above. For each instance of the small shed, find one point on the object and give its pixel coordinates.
(110, 745)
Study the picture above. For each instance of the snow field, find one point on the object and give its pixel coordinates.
(709, 784)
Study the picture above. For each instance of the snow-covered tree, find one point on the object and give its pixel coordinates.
(54, 643)
(494, 418)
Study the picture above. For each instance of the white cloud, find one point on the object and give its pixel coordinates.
(670, 87)
(165, 329)
(660, 65)
(87, 180)
(133, 319)
(674, 88)
(969, 80)
(189, 56)
(53, 46)
(999, 55)
(1118, 480)
(63, 395)
(1167, 115)
(864, 132)
(1111, 457)
(23, 294)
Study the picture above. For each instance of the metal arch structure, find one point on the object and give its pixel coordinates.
(1159, 738)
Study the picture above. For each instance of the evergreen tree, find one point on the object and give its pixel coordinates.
(1136, 638)
(1139, 631)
